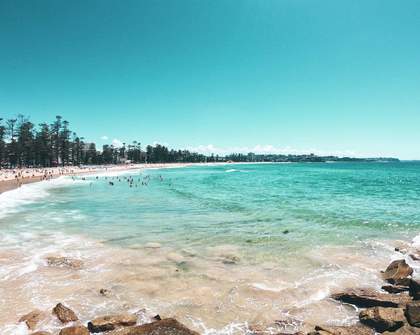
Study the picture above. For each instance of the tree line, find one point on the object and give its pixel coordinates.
(24, 144)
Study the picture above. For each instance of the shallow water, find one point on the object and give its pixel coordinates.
(219, 247)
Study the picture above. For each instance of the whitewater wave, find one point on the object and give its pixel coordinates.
(12, 201)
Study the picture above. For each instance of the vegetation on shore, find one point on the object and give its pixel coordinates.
(23, 144)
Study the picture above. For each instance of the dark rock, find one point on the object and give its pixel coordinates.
(163, 327)
(111, 322)
(395, 288)
(286, 231)
(64, 314)
(398, 269)
(415, 289)
(75, 330)
(64, 262)
(412, 313)
(31, 319)
(381, 318)
(371, 298)
(343, 330)
(406, 330)
(157, 317)
(104, 292)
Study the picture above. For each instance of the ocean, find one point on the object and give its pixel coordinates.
(223, 248)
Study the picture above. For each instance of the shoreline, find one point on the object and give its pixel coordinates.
(11, 179)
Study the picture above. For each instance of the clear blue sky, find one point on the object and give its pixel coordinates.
(275, 75)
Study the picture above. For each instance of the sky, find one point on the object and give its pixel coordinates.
(274, 76)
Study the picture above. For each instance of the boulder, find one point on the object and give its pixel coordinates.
(412, 313)
(163, 327)
(397, 270)
(414, 289)
(406, 330)
(370, 298)
(75, 330)
(395, 288)
(64, 314)
(111, 322)
(64, 262)
(343, 330)
(382, 318)
(31, 319)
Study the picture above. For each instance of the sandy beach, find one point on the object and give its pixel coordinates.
(13, 178)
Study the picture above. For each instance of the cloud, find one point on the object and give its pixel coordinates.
(104, 138)
(117, 143)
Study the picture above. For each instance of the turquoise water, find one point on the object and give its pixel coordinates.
(220, 247)
(251, 205)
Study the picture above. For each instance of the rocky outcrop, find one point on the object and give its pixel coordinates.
(64, 262)
(75, 330)
(163, 327)
(371, 298)
(412, 313)
(342, 330)
(396, 271)
(31, 319)
(111, 322)
(382, 319)
(64, 314)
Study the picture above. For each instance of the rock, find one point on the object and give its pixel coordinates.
(163, 327)
(343, 330)
(381, 318)
(398, 269)
(64, 262)
(111, 322)
(395, 288)
(31, 319)
(105, 292)
(75, 330)
(230, 259)
(64, 314)
(414, 289)
(370, 298)
(406, 330)
(41, 333)
(412, 313)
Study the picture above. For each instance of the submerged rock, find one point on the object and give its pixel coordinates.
(111, 322)
(413, 313)
(64, 314)
(343, 330)
(75, 330)
(31, 319)
(64, 262)
(382, 318)
(397, 270)
(371, 298)
(164, 327)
